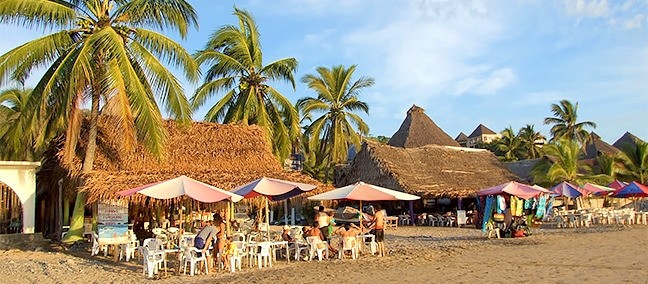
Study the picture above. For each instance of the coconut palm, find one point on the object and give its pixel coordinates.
(562, 164)
(233, 54)
(509, 146)
(566, 125)
(337, 99)
(634, 162)
(12, 104)
(608, 165)
(104, 53)
(528, 138)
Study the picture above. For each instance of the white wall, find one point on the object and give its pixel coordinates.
(21, 178)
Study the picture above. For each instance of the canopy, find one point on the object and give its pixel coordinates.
(590, 188)
(514, 188)
(180, 186)
(617, 184)
(634, 189)
(364, 192)
(273, 189)
(566, 189)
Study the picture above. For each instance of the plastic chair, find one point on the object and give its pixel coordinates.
(432, 220)
(348, 244)
(451, 221)
(264, 257)
(316, 245)
(128, 250)
(492, 229)
(96, 248)
(152, 260)
(192, 256)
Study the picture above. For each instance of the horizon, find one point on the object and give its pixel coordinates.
(465, 62)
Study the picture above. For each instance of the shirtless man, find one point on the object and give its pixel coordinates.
(379, 219)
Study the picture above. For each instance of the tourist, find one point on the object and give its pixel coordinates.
(348, 230)
(229, 250)
(286, 234)
(331, 224)
(206, 237)
(322, 222)
(221, 237)
(379, 229)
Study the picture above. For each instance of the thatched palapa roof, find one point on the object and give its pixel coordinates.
(596, 146)
(627, 140)
(221, 155)
(419, 130)
(429, 171)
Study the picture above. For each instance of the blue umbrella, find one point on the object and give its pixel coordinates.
(566, 189)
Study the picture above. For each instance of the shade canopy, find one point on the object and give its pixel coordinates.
(364, 192)
(617, 184)
(634, 189)
(590, 188)
(182, 186)
(273, 189)
(566, 189)
(514, 188)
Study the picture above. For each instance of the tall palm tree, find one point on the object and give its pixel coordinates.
(528, 138)
(608, 165)
(337, 99)
(562, 164)
(12, 104)
(233, 54)
(509, 146)
(104, 52)
(566, 125)
(635, 162)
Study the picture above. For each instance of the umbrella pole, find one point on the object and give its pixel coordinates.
(286, 211)
(227, 218)
(361, 217)
(267, 207)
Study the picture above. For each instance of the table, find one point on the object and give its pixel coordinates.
(273, 244)
(179, 258)
(391, 222)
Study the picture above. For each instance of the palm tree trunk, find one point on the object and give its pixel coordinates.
(76, 224)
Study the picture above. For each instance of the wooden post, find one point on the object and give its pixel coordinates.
(267, 206)
(227, 218)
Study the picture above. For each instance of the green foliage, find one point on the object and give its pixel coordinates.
(508, 147)
(380, 139)
(562, 164)
(566, 125)
(234, 58)
(634, 162)
(334, 130)
(528, 139)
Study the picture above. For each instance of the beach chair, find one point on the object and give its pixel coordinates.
(128, 250)
(96, 248)
(152, 261)
(316, 246)
(492, 229)
(432, 220)
(348, 244)
(264, 257)
(193, 256)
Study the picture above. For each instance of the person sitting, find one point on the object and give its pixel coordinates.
(286, 234)
(229, 250)
(348, 230)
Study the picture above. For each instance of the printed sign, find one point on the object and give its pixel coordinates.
(112, 217)
(461, 217)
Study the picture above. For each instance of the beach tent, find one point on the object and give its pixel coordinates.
(566, 189)
(514, 188)
(361, 191)
(634, 189)
(272, 189)
(590, 188)
(183, 186)
(617, 184)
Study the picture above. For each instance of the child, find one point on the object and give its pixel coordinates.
(229, 251)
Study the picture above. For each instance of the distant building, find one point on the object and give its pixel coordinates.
(462, 139)
(627, 140)
(481, 134)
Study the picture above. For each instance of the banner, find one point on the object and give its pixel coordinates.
(112, 218)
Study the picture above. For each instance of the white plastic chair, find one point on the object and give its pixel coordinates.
(128, 250)
(451, 221)
(96, 248)
(348, 244)
(432, 220)
(316, 246)
(192, 256)
(492, 229)
(264, 257)
(152, 260)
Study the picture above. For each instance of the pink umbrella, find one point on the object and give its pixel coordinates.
(273, 189)
(590, 188)
(181, 186)
(514, 188)
(617, 184)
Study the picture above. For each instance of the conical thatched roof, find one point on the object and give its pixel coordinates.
(221, 155)
(481, 130)
(627, 139)
(428, 171)
(596, 146)
(419, 130)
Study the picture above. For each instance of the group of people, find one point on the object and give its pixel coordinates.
(324, 227)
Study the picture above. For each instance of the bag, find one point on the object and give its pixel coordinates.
(498, 217)
(519, 234)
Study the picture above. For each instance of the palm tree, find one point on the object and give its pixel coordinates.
(562, 164)
(634, 162)
(12, 104)
(102, 52)
(608, 165)
(528, 138)
(565, 125)
(337, 100)
(236, 67)
(509, 146)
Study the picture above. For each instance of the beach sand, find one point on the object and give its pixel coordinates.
(418, 255)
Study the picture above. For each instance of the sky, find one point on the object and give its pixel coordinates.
(498, 63)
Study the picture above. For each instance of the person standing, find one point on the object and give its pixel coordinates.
(206, 237)
(322, 222)
(379, 228)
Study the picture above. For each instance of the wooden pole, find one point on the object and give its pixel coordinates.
(360, 218)
(227, 218)
(267, 207)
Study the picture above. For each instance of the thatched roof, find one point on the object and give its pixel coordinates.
(428, 171)
(419, 130)
(596, 146)
(481, 130)
(523, 168)
(221, 155)
(627, 139)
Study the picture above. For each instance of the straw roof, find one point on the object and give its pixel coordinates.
(429, 171)
(418, 130)
(627, 139)
(596, 146)
(221, 155)
(523, 168)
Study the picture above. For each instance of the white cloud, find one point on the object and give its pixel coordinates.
(635, 22)
(594, 8)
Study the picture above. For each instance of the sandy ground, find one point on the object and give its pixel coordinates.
(418, 255)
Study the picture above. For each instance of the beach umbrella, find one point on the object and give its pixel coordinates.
(590, 188)
(514, 188)
(566, 189)
(634, 189)
(361, 191)
(272, 189)
(617, 184)
(183, 186)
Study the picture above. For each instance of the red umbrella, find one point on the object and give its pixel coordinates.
(617, 184)
(514, 188)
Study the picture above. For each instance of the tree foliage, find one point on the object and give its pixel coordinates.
(566, 125)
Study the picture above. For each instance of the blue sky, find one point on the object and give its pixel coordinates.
(500, 63)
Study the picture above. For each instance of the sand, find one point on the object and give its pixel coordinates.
(418, 255)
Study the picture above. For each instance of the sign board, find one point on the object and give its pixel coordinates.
(461, 217)
(112, 218)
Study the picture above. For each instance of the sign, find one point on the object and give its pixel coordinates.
(112, 218)
(461, 217)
